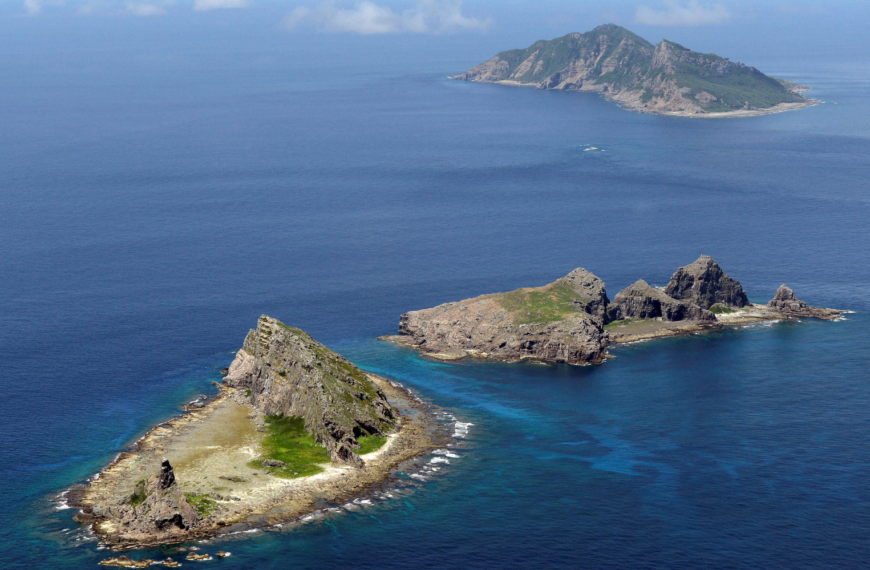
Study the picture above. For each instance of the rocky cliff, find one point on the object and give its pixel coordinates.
(703, 283)
(560, 322)
(662, 78)
(641, 301)
(788, 304)
(283, 371)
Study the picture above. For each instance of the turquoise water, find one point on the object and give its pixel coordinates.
(154, 207)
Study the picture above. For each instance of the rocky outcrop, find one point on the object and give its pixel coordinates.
(641, 301)
(283, 371)
(560, 322)
(788, 304)
(156, 509)
(705, 284)
(623, 67)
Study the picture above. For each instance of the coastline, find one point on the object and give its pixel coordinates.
(212, 460)
(741, 113)
(640, 330)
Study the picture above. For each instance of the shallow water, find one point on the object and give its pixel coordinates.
(151, 213)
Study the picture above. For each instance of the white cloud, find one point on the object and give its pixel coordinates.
(216, 4)
(33, 6)
(692, 13)
(366, 17)
(145, 9)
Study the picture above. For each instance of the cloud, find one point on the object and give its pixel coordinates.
(366, 17)
(144, 9)
(674, 14)
(216, 4)
(33, 6)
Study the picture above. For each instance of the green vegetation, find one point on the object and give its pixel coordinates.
(202, 503)
(370, 443)
(720, 309)
(139, 494)
(622, 322)
(289, 442)
(543, 305)
(248, 393)
(647, 96)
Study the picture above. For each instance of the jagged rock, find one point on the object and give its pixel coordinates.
(641, 301)
(787, 303)
(158, 506)
(591, 293)
(222, 554)
(286, 372)
(560, 322)
(198, 557)
(273, 463)
(705, 284)
(127, 562)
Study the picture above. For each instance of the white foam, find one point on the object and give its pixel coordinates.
(446, 453)
(460, 429)
(439, 460)
(418, 477)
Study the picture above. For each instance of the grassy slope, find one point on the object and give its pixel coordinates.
(289, 442)
(542, 305)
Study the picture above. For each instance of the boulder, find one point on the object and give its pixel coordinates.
(703, 283)
(590, 290)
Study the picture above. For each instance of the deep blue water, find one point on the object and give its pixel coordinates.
(152, 207)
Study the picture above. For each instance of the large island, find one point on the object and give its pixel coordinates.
(295, 425)
(572, 320)
(666, 78)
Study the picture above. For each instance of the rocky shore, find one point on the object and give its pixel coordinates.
(572, 320)
(197, 476)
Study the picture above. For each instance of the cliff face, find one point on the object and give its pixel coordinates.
(705, 284)
(560, 322)
(641, 301)
(626, 68)
(289, 373)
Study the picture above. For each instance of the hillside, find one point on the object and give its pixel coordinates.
(666, 78)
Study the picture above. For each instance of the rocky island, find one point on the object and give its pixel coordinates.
(572, 320)
(666, 78)
(294, 424)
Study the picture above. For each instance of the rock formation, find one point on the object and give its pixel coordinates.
(662, 78)
(641, 301)
(788, 304)
(705, 284)
(286, 372)
(560, 322)
(156, 509)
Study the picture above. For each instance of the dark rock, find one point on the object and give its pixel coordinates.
(166, 477)
(273, 463)
(641, 301)
(590, 289)
(705, 284)
(225, 371)
(787, 303)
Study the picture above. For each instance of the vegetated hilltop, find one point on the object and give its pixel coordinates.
(571, 320)
(666, 78)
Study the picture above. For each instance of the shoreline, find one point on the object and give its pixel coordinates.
(647, 329)
(257, 497)
(737, 114)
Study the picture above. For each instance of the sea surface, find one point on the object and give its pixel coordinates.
(155, 203)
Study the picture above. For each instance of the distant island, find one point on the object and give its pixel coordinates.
(295, 426)
(572, 320)
(665, 79)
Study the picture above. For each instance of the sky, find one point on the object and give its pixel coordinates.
(755, 32)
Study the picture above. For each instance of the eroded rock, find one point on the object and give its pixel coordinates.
(641, 301)
(787, 303)
(705, 284)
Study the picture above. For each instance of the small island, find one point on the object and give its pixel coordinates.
(295, 424)
(572, 320)
(665, 79)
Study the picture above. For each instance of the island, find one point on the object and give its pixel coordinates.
(665, 79)
(572, 320)
(295, 426)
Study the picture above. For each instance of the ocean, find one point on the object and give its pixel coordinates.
(155, 202)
